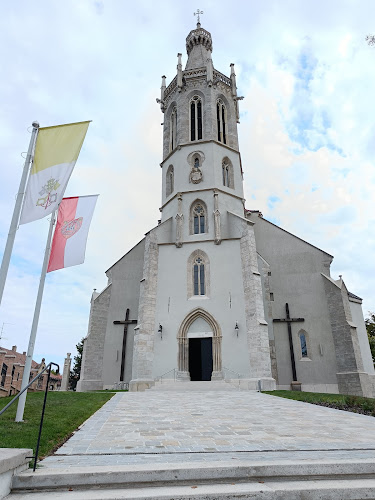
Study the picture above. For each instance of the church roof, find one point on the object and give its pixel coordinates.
(285, 231)
(125, 254)
(351, 295)
(17, 357)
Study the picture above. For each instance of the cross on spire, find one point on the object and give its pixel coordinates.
(198, 13)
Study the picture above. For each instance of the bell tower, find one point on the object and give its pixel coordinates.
(200, 142)
(201, 282)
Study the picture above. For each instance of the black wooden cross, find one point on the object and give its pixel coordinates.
(290, 320)
(125, 323)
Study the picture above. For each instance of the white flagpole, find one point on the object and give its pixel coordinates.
(16, 212)
(34, 328)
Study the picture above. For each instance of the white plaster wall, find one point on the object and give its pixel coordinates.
(358, 320)
(295, 279)
(126, 275)
(212, 174)
(226, 284)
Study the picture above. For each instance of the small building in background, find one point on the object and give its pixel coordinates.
(12, 364)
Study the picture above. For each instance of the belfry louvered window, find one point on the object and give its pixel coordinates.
(196, 119)
(221, 117)
(173, 130)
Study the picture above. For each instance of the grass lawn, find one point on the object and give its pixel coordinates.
(65, 411)
(354, 404)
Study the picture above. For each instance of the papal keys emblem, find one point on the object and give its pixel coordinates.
(47, 190)
(70, 227)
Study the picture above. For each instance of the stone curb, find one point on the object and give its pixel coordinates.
(163, 474)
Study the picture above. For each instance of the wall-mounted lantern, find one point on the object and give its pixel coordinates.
(236, 328)
(160, 331)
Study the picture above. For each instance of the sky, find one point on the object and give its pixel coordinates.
(306, 134)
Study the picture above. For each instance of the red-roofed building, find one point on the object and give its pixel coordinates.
(12, 364)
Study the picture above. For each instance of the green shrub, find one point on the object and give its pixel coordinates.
(351, 400)
(368, 405)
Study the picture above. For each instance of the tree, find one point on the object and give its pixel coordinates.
(76, 371)
(370, 327)
(370, 39)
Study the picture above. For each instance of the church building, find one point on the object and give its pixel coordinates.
(215, 291)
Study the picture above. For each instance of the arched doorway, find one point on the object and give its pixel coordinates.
(199, 347)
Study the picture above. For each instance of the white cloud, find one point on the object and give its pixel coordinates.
(306, 133)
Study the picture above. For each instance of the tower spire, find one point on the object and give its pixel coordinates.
(198, 46)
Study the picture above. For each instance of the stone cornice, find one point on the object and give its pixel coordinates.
(197, 143)
(201, 191)
(211, 240)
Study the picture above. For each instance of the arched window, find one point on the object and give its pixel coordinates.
(169, 181)
(303, 341)
(227, 171)
(221, 117)
(173, 130)
(199, 218)
(196, 118)
(198, 279)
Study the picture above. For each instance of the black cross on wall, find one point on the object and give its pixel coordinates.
(289, 322)
(125, 323)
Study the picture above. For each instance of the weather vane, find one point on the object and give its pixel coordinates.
(198, 13)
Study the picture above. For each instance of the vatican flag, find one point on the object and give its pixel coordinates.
(56, 152)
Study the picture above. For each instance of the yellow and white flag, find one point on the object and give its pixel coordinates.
(56, 152)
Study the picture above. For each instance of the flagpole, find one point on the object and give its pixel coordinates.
(34, 328)
(16, 212)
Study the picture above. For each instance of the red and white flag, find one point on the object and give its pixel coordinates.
(72, 228)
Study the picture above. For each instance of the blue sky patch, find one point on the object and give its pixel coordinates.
(272, 200)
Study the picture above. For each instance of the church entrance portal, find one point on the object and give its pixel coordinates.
(200, 358)
(199, 347)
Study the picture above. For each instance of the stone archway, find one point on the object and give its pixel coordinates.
(183, 344)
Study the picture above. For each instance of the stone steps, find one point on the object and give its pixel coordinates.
(284, 479)
(186, 386)
(322, 490)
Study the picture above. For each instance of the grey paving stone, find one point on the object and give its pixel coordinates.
(178, 426)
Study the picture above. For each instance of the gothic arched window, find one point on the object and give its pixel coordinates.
(302, 339)
(227, 171)
(304, 343)
(196, 118)
(173, 130)
(221, 117)
(199, 219)
(169, 181)
(198, 277)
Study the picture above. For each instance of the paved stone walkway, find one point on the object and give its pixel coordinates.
(195, 426)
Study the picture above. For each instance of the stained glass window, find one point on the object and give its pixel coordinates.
(302, 339)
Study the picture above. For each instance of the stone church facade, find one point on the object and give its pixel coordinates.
(215, 291)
